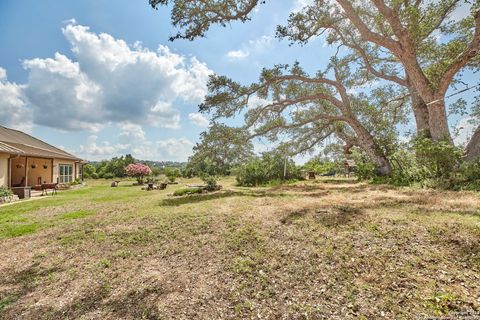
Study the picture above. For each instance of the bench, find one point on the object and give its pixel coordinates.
(49, 186)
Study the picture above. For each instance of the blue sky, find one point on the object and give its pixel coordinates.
(56, 66)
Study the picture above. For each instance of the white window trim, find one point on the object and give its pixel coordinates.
(61, 178)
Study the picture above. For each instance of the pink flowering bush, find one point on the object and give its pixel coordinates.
(138, 170)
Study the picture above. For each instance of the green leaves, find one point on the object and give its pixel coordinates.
(194, 18)
(220, 148)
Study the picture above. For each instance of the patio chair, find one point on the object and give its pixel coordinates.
(21, 184)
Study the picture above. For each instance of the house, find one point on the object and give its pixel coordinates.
(26, 161)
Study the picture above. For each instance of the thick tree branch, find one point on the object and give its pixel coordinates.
(392, 18)
(472, 50)
(365, 31)
(312, 144)
(283, 104)
(300, 124)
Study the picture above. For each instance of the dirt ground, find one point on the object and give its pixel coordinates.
(324, 249)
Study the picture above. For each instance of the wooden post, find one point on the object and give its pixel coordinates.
(285, 169)
(26, 171)
(9, 184)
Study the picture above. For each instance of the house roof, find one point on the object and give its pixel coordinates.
(17, 142)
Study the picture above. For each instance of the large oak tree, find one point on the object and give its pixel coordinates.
(395, 40)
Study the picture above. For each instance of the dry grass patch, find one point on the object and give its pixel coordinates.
(323, 249)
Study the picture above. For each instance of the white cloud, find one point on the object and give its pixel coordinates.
(298, 5)
(131, 132)
(3, 74)
(164, 115)
(198, 119)
(255, 102)
(14, 112)
(256, 46)
(173, 149)
(238, 54)
(96, 151)
(262, 43)
(111, 81)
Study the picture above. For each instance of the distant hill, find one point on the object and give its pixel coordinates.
(161, 164)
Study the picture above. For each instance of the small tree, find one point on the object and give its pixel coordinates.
(89, 171)
(172, 173)
(138, 170)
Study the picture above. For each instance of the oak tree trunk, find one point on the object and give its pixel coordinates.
(367, 143)
(420, 111)
(437, 119)
(472, 150)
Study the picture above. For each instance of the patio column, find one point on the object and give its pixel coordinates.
(10, 171)
(26, 171)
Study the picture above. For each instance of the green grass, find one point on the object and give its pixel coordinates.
(5, 302)
(78, 214)
(18, 229)
(186, 191)
(316, 249)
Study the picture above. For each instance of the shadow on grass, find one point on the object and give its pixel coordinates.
(337, 181)
(134, 304)
(321, 189)
(330, 216)
(91, 300)
(195, 198)
(338, 215)
(25, 281)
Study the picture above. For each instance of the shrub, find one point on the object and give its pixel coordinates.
(172, 173)
(322, 166)
(365, 170)
(75, 182)
(156, 171)
(108, 175)
(264, 170)
(89, 171)
(185, 191)
(432, 165)
(438, 158)
(5, 192)
(187, 172)
(211, 182)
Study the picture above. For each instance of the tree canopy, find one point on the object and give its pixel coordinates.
(415, 48)
(220, 148)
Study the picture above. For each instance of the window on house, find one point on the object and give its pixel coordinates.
(66, 173)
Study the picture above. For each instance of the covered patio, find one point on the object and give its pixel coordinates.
(31, 172)
(28, 164)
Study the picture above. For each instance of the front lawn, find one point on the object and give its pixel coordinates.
(324, 249)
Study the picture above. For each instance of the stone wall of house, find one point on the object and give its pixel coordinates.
(56, 168)
(4, 169)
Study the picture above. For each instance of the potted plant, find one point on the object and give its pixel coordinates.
(33, 166)
(45, 166)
